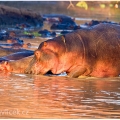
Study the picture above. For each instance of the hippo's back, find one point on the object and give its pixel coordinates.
(103, 42)
(107, 27)
(103, 32)
(100, 42)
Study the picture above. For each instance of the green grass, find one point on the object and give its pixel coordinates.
(35, 33)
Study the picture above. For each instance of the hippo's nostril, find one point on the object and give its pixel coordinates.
(28, 72)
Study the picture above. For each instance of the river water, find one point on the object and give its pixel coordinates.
(38, 96)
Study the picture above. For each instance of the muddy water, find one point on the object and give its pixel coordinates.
(36, 96)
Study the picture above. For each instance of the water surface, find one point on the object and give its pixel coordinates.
(37, 96)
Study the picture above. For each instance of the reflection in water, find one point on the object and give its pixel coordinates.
(24, 96)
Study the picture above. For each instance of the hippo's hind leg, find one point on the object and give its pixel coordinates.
(78, 71)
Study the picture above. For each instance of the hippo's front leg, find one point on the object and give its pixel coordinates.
(78, 71)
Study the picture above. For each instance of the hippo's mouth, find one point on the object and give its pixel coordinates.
(49, 73)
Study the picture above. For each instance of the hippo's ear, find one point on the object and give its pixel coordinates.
(45, 44)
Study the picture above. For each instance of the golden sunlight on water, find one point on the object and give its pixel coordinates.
(32, 96)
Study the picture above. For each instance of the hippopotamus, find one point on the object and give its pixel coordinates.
(17, 56)
(20, 46)
(17, 66)
(93, 51)
(7, 51)
(18, 60)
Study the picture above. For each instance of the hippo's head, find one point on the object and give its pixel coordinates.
(5, 66)
(44, 61)
(46, 58)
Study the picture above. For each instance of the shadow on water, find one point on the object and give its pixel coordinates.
(36, 96)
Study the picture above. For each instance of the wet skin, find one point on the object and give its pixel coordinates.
(7, 51)
(16, 62)
(85, 52)
(17, 66)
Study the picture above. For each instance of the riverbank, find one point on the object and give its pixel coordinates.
(96, 9)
